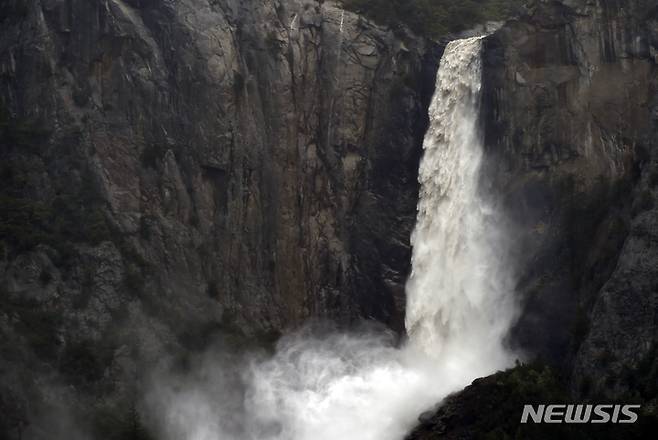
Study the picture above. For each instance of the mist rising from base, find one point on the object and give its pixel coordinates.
(360, 385)
(316, 386)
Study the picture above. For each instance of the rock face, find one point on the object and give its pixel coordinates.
(491, 407)
(570, 117)
(174, 167)
(570, 120)
(171, 167)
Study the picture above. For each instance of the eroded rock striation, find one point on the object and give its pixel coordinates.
(571, 127)
(174, 167)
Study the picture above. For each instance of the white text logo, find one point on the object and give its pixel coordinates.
(604, 413)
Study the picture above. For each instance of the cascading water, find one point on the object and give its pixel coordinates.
(459, 302)
(361, 386)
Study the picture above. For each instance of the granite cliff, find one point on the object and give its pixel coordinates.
(570, 124)
(174, 168)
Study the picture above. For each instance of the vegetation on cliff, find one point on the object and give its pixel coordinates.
(435, 18)
(491, 408)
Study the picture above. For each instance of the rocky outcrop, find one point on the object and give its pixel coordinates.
(569, 122)
(171, 168)
(491, 407)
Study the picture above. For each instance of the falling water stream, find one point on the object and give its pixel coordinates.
(459, 302)
(459, 308)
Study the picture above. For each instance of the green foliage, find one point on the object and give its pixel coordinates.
(653, 178)
(14, 413)
(644, 377)
(37, 326)
(84, 362)
(399, 88)
(74, 215)
(134, 279)
(69, 218)
(81, 300)
(642, 202)
(45, 277)
(26, 221)
(40, 329)
(145, 228)
(152, 155)
(532, 383)
(21, 134)
(120, 423)
(434, 18)
(272, 42)
(13, 8)
(580, 327)
(22, 222)
(238, 83)
(137, 268)
(213, 289)
(491, 408)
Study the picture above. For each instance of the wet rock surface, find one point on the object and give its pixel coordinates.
(570, 127)
(173, 168)
(571, 131)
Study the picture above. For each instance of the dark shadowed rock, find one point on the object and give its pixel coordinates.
(172, 168)
(569, 122)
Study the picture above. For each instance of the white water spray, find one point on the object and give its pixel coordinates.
(361, 386)
(459, 295)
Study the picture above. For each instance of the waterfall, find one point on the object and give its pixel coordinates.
(459, 302)
(362, 385)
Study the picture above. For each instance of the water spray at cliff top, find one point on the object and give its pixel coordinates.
(459, 308)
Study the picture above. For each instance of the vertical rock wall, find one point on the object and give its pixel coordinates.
(174, 167)
(570, 126)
